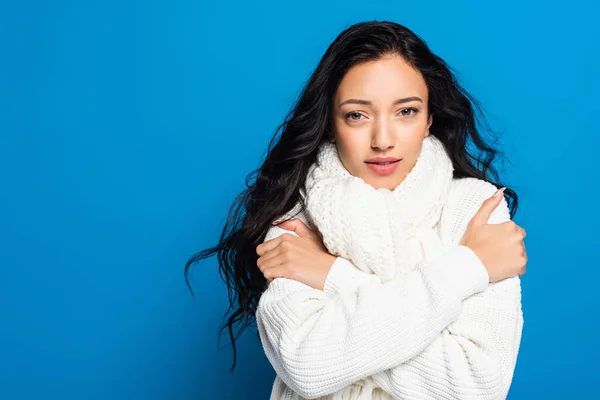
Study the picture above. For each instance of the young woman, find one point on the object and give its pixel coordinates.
(370, 248)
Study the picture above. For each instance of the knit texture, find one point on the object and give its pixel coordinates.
(439, 331)
(382, 231)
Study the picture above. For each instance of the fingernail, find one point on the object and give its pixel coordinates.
(499, 192)
(277, 222)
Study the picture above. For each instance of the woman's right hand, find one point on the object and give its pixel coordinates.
(499, 246)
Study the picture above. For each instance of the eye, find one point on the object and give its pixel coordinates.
(414, 111)
(353, 114)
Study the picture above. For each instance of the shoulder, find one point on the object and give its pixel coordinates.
(467, 194)
(465, 197)
(295, 212)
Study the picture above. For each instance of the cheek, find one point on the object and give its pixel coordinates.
(353, 138)
(411, 137)
(413, 149)
(412, 130)
(350, 155)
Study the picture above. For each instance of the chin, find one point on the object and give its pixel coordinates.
(384, 182)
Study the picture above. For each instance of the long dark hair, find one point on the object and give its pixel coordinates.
(274, 189)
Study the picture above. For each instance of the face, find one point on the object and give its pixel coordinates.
(379, 112)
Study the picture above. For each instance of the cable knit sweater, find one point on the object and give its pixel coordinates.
(441, 332)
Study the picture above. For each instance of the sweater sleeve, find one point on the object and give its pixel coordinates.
(474, 357)
(318, 342)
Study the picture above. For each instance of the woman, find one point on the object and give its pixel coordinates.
(391, 271)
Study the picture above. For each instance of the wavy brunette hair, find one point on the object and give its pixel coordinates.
(273, 189)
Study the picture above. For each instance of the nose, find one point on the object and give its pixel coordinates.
(383, 136)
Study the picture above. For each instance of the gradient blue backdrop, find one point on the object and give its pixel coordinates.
(127, 128)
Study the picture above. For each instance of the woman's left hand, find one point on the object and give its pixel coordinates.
(303, 258)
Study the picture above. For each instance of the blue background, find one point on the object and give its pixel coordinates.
(127, 128)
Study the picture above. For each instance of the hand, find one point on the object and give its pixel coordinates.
(303, 258)
(499, 246)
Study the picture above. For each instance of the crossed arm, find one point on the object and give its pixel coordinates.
(442, 330)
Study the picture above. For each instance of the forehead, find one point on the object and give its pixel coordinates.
(382, 80)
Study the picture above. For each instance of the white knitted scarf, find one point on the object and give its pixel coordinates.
(382, 231)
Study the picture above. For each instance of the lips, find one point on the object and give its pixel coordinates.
(383, 163)
(383, 167)
(382, 160)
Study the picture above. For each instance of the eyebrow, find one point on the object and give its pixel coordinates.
(367, 102)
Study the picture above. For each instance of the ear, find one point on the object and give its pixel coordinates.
(429, 122)
(331, 134)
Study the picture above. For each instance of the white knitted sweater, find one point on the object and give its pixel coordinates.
(381, 231)
(440, 332)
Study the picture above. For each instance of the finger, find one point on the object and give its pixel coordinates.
(273, 273)
(276, 262)
(271, 244)
(296, 225)
(485, 211)
(267, 256)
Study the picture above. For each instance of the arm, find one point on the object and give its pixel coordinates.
(474, 357)
(321, 341)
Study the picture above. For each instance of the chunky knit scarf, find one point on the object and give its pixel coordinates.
(382, 231)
